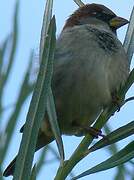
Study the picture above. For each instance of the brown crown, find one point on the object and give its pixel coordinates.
(85, 11)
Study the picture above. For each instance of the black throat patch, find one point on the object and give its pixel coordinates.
(105, 40)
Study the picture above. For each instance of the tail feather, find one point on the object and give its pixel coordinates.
(42, 141)
(10, 169)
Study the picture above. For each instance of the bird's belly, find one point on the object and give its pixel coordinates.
(84, 78)
(81, 103)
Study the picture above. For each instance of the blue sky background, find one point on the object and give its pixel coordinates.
(30, 20)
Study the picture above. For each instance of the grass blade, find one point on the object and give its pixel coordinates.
(37, 109)
(120, 175)
(14, 41)
(33, 173)
(46, 21)
(119, 158)
(50, 104)
(3, 49)
(53, 121)
(25, 90)
(79, 3)
(129, 38)
(113, 148)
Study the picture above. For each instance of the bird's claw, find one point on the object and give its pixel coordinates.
(116, 101)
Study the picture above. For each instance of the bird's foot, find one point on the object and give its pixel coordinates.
(116, 100)
(83, 130)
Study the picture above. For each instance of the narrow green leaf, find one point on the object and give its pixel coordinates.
(33, 174)
(79, 3)
(129, 38)
(128, 83)
(54, 125)
(113, 148)
(25, 90)
(46, 21)
(36, 110)
(2, 52)
(1, 176)
(115, 136)
(50, 104)
(1, 63)
(14, 41)
(119, 158)
(120, 175)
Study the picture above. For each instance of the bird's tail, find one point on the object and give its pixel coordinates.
(41, 142)
(10, 169)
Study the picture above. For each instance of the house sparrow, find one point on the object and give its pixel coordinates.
(90, 66)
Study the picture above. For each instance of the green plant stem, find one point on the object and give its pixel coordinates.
(79, 3)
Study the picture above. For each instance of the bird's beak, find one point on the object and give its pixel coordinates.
(117, 22)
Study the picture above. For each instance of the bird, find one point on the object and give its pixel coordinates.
(90, 66)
